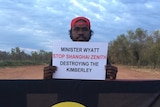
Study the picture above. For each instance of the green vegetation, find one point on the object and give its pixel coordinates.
(19, 58)
(136, 48)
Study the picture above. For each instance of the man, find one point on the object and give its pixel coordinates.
(81, 31)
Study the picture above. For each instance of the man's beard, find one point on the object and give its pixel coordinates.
(80, 36)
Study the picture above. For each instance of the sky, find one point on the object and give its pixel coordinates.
(35, 24)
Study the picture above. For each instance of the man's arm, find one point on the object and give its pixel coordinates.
(48, 71)
(111, 71)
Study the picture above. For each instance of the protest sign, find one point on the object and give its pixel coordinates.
(79, 60)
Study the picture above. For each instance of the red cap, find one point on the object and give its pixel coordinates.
(73, 22)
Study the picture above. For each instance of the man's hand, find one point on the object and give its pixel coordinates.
(111, 72)
(48, 71)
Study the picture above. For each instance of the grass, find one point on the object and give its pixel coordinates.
(14, 63)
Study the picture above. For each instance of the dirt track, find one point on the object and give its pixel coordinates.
(36, 72)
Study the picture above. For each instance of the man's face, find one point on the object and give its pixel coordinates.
(80, 32)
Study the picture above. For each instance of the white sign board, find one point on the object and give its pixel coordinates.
(80, 60)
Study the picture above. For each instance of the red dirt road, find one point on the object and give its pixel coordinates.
(36, 72)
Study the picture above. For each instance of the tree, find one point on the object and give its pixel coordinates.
(118, 50)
